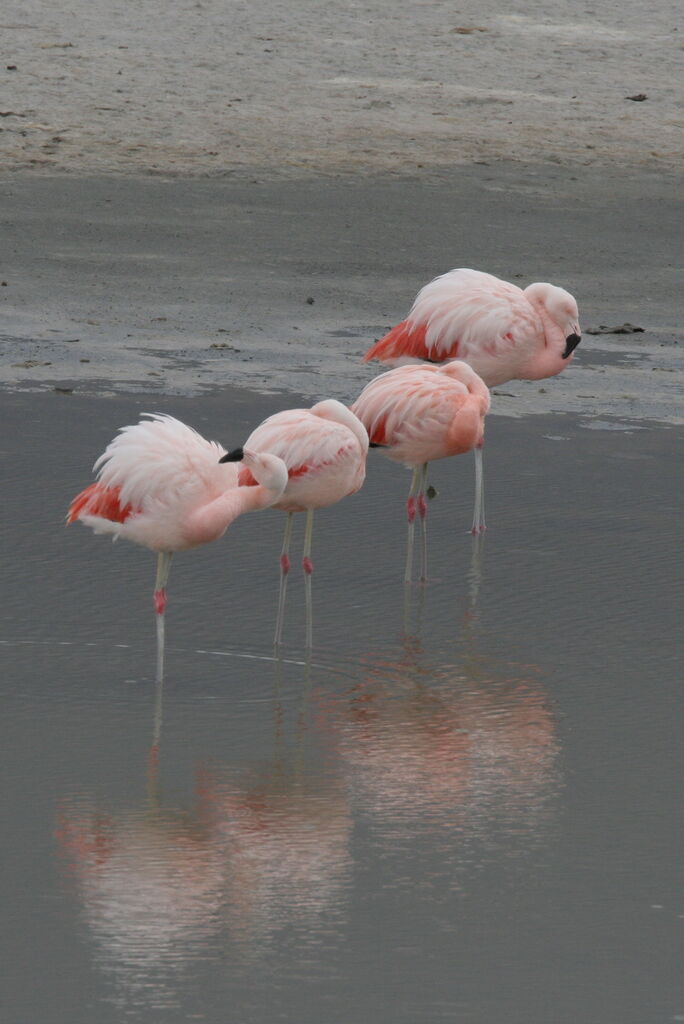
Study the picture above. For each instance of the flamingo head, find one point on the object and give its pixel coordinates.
(561, 307)
(268, 470)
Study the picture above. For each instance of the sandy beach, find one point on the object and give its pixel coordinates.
(298, 87)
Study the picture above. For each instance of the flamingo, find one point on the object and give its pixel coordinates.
(502, 331)
(418, 413)
(160, 484)
(324, 449)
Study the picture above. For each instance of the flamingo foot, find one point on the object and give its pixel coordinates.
(284, 564)
(411, 509)
(160, 601)
(422, 506)
(307, 566)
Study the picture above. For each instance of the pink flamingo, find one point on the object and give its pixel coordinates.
(420, 413)
(503, 332)
(324, 449)
(160, 484)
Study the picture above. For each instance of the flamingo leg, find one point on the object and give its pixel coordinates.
(284, 570)
(307, 565)
(479, 512)
(422, 512)
(411, 516)
(163, 569)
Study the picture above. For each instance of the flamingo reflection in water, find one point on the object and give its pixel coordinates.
(261, 850)
(455, 748)
(284, 829)
(149, 883)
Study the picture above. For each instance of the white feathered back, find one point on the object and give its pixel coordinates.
(475, 309)
(161, 460)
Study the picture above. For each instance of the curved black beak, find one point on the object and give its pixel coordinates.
(236, 455)
(571, 343)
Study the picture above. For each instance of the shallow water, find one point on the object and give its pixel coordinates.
(465, 805)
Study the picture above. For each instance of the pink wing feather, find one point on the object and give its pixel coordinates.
(411, 409)
(464, 314)
(302, 440)
(323, 457)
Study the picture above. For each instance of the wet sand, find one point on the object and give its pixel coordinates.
(181, 285)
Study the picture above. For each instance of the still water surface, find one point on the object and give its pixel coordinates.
(465, 805)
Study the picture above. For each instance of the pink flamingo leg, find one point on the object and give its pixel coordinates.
(422, 512)
(307, 565)
(163, 569)
(411, 516)
(284, 570)
(478, 512)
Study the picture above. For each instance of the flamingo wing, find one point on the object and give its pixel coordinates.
(102, 502)
(462, 314)
(305, 442)
(411, 408)
(158, 461)
(162, 459)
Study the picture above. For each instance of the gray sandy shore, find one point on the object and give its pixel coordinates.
(171, 285)
(250, 194)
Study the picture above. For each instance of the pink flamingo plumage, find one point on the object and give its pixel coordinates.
(161, 484)
(416, 414)
(502, 331)
(324, 449)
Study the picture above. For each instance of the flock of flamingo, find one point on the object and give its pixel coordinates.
(161, 484)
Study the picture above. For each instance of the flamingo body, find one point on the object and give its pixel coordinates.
(161, 484)
(502, 331)
(324, 449)
(155, 479)
(419, 413)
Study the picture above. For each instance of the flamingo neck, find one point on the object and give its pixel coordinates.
(467, 427)
(212, 520)
(331, 409)
(547, 360)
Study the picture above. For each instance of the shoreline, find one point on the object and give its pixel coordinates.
(185, 285)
